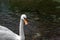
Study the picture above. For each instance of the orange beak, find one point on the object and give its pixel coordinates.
(25, 21)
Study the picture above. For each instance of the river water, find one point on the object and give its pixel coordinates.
(4, 7)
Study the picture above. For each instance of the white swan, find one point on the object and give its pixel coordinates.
(6, 34)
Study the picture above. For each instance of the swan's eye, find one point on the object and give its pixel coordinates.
(25, 21)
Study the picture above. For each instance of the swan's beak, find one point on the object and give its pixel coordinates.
(25, 21)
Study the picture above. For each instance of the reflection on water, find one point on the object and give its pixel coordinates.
(4, 7)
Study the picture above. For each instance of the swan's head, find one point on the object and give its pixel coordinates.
(24, 18)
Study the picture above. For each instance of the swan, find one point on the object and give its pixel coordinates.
(7, 34)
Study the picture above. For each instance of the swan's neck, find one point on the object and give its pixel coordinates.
(21, 30)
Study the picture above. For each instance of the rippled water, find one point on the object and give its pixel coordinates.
(4, 7)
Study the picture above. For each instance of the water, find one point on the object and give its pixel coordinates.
(57, 0)
(4, 7)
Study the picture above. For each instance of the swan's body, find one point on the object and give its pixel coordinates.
(6, 34)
